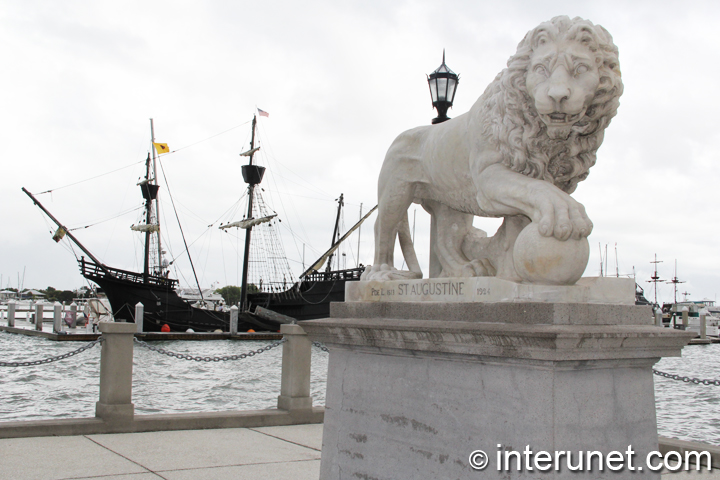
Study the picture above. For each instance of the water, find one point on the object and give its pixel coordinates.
(163, 384)
(685, 410)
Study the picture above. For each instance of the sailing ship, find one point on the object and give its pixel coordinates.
(265, 304)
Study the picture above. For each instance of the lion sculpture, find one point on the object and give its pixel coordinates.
(518, 153)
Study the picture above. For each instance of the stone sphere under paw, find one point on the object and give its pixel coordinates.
(547, 260)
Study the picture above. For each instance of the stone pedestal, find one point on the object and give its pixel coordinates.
(414, 388)
(295, 380)
(116, 363)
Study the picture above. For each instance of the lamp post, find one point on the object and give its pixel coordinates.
(443, 83)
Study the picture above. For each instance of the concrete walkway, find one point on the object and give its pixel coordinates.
(288, 452)
(277, 453)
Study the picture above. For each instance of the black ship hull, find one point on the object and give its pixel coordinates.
(309, 299)
(306, 300)
(162, 305)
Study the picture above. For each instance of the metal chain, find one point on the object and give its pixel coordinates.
(694, 380)
(198, 358)
(321, 346)
(52, 359)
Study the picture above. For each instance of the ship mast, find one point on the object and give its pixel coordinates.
(675, 282)
(157, 205)
(149, 188)
(336, 232)
(146, 189)
(252, 174)
(655, 278)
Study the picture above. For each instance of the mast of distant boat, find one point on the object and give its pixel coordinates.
(675, 282)
(655, 278)
(252, 174)
(336, 231)
(157, 204)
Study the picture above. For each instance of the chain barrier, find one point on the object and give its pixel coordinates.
(198, 358)
(696, 381)
(52, 359)
(321, 346)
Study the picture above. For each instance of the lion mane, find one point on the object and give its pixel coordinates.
(508, 118)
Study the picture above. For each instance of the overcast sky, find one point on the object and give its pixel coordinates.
(340, 80)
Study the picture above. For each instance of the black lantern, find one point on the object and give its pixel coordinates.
(443, 83)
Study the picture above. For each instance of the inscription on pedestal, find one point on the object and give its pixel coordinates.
(619, 291)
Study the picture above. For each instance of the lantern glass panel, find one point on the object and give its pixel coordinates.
(451, 90)
(433, 90)
(442, 89)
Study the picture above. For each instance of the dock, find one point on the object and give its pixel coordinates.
(81, 335)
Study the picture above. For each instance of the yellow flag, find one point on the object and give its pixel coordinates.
(161, 148)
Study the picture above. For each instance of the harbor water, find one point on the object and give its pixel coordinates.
(163, 384)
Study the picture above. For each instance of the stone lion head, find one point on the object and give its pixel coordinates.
(547, 112)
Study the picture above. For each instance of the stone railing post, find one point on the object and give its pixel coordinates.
(233, 320)
(73, 315)
(140, 316)
(295, 379)
(30, 316)
(703, 326)
(685, 317)
(39, 307)
(116, 363)
(11, 313)
(57, 317)
(659, 318)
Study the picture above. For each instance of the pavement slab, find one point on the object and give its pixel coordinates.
(307, 435)
(192, 449)
(52, 458)
(300, 470)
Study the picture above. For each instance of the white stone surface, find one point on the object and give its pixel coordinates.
(410, 395)
(548, 261)
(506, 157)
(600, 290)
(392, 417)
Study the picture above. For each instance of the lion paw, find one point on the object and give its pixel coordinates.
(385, 272)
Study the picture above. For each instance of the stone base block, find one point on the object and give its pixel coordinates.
(294, 403)
(413, 398)
(114, 412)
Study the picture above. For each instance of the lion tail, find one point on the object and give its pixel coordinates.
(406, 245)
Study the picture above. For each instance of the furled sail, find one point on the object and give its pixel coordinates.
(250, 152)
(152, 228)
(321, 261)
(251, 222)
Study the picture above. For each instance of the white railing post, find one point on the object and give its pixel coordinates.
(30, 316)
(659, 318)
(295, 378)
(233, 320)
(73, 315)
(57, 317)
(11, 313)
(116, 364)
(39, 307)
(685, 315)
(140, 316)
